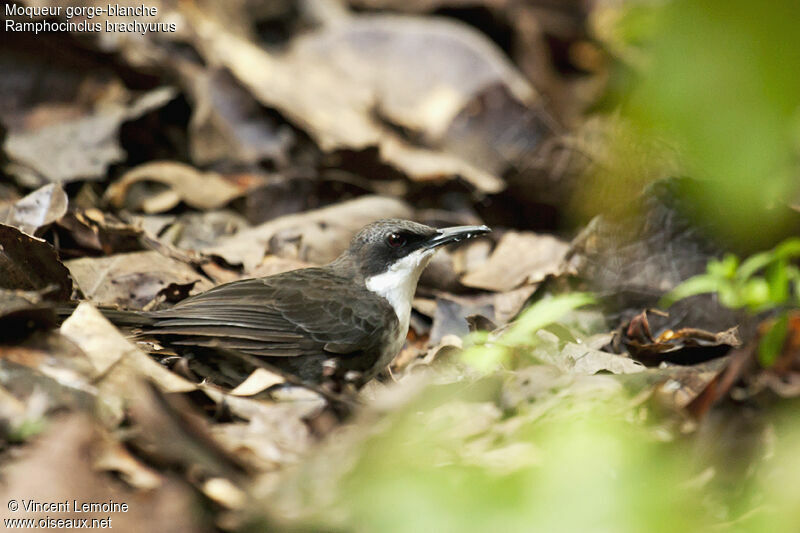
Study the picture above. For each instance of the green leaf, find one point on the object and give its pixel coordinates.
(725, 268)
(543, 313)
(755, 295)
(777, 276)
(487, 357)
(788, 249)
(700, 284)
(754, 263)
(771, 344)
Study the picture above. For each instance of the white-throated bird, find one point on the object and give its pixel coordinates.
(340, 323)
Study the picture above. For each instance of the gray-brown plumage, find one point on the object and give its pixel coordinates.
(342, 322)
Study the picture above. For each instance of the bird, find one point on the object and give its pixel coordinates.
(336, 325)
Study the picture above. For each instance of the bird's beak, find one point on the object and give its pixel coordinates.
(455, 234)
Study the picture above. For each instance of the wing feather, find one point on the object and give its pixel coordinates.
(303, 312)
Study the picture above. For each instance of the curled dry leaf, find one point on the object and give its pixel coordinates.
(683, 346)
(40, 208)
(519, 258)
(192, 230)
(97, 231)
(275, 435)
(201, 190)
(28, 263)
(131, 280)
(638, 255)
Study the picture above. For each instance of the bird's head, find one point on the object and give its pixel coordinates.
(402, 246)
(389, 255)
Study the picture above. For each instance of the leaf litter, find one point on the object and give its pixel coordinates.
(156, 187)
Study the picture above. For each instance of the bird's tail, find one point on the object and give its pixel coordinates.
(119, 317)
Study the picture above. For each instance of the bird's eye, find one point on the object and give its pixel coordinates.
(395, 240)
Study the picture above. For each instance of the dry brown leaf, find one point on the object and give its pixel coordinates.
(58, 468)
(48, 372)
(260, 380)
(97, 231)
(275, 434)
(272, 265)
(684, 346)
(228, 124)
(201, 190)
(77, 149)
(224, 493)
(337, 82)
(507, 305)
(131, 280)
(582, 359)
(519, 258)
(40, 208)
(112, 456)
(321, 234)
(118, 362)
(28, 263)
(471, 255)
(451, 317)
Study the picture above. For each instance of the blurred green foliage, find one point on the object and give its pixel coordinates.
(718, 81)
(767, 281)
(485, 354)
(764, 281)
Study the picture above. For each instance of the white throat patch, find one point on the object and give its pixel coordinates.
(398, 284)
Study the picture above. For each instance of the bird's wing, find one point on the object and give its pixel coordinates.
(303, 312)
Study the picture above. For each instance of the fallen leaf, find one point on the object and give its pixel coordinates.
(272, 265)
(93, 230)
(507, 305)
(337, 82)
(201, 190)
(520, 258)
(451, 318)
(131, 280)
(260, 380)
(322, 234)
(117, 361)
(684, 346)
(584, 360)
(49, 365)
(229, 125)
(224, 493)
(77, 149)
(170, 432)
(40, 208)
(31, 264)
(191, 230)
(112, 456)
(58, 468)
